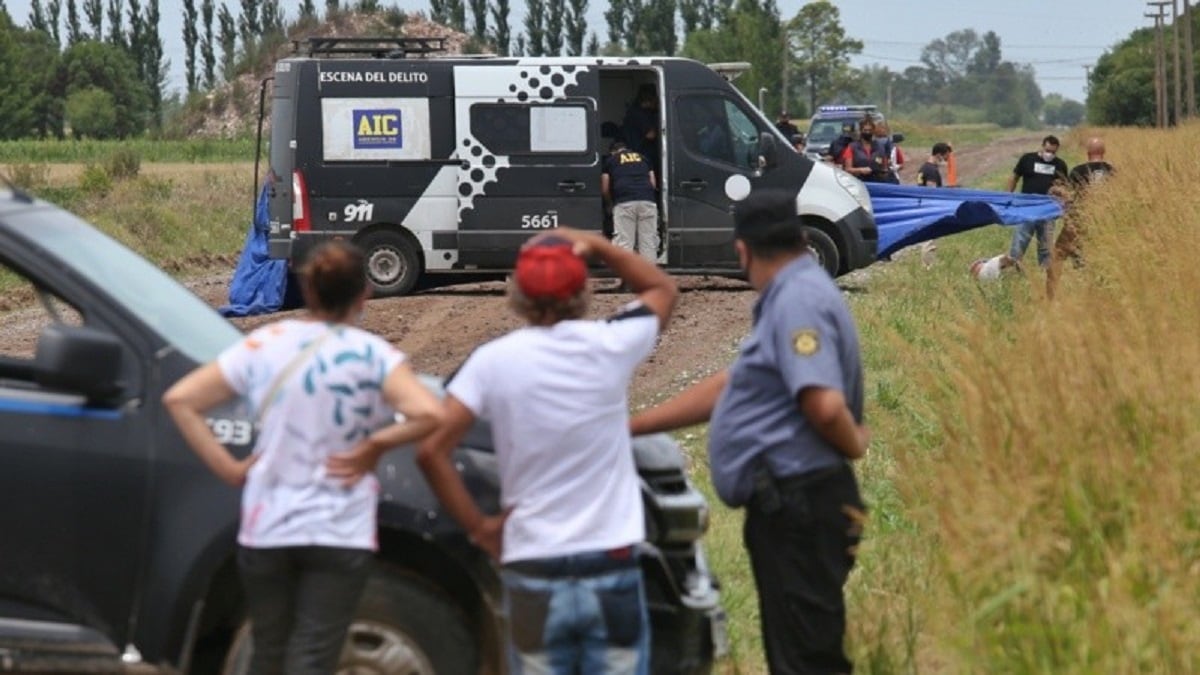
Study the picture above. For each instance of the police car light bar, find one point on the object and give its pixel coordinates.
(843, 108)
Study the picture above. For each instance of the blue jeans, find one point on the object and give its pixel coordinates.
(583, 613)
(1025, 232)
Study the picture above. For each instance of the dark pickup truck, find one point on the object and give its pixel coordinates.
(116, 544)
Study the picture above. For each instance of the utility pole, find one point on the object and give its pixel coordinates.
(1160, 64)
(1178, 75)
(1189, 65)
(1087, 81)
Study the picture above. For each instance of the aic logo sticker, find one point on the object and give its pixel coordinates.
(377, 129)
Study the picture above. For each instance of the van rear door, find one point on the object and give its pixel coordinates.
(528, 136)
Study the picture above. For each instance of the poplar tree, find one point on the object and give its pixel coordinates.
(555, 19)
(615, 17)
(576, 28)
(479, 12)
(308, 9)
(228, 42)
(271, 18)
(207, 52)
(456, 14)
(501, 34)
(94, 11)
(249, 23)
(593, 45)
(331, 7)
(116, 35)
(154, 67)
(37, 17)
(437, 11)
(535, 28)
(190, 23)
(74, 29)
(53, 14)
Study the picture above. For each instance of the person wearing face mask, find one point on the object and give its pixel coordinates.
(930, 175)
(866, 158)
(1037, 172)
(786, 423)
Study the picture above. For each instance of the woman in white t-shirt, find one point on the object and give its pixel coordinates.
(325, 395)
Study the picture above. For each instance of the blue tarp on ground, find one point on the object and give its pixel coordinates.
(911, 214)
(259, 284)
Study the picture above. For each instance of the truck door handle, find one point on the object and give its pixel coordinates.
(571, 185)
(693, 184)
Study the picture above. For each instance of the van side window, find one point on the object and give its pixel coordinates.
(715, 128)
(509, 129)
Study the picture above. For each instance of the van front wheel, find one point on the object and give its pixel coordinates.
(823, 246)
(393, 262)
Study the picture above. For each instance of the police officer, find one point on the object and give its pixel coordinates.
(628, 184)
(786, 423)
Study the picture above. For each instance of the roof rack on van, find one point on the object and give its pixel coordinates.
(378, 47)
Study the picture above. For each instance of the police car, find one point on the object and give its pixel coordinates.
(447, 164)
(827, 125)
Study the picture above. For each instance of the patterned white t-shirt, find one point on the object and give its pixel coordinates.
(329, 401)
(556, 398)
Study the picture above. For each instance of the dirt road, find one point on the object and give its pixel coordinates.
(439, 328)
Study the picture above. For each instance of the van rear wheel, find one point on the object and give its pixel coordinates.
(393, 262)
(823, 246)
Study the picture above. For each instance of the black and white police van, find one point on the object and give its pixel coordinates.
(440, 164)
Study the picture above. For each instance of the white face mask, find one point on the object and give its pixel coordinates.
(1047, 156)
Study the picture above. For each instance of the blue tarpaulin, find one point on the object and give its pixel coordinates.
(911, 214)
(259, 284)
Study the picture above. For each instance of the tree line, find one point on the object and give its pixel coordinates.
(96, 67)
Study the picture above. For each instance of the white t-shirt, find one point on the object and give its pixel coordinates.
(556, 398)
(331, 400)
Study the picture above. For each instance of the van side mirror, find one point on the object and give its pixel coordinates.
(79, 360)
(768, 151)
(897, 138)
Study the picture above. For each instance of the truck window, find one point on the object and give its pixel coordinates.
(509, 129)
(715, 128)
(28, 309)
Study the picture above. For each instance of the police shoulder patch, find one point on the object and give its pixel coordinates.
(806, 342)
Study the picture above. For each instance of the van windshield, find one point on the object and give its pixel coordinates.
(163, 304)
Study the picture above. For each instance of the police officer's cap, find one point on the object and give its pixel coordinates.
(762, 211)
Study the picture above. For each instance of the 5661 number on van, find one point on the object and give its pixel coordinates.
(537, 221)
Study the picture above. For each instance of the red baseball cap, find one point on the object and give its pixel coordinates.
(549, 268)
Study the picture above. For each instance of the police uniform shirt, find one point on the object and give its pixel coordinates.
(630, 176)
(803, 336)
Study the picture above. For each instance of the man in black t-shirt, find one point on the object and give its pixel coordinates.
(785, 126)
(628, 183)
(1094, 170)
(930, 175)
(1038, 172)
(1082, 178)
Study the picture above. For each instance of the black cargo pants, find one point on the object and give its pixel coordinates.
(802, 547)
(301, 600)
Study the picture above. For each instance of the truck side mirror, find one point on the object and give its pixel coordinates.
(768, 151)
(79, 360)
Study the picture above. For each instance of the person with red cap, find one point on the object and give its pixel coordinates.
(555, 393)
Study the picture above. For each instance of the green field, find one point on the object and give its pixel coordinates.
(72, 152)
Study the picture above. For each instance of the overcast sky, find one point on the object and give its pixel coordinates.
(1058, 37)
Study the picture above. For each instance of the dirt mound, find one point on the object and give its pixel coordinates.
(231, 109)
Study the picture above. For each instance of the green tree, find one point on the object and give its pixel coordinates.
(331, 7)
(479, 12)
(820, 52)
(651, 28)
(535, 28)
(501, 33)
(92, 113)
(249, 23)
(190, 38)
(53, 15)
(74, 28)
(456, 15)
(272, 21)
(116, 33)
(154, 65)
(576, 28)
(437, 11)
(749, 30)
(1121, 89)
(208, 53)
(308, 9)
(228, 32)
(17, 107)
(94, 11)
(111, 69)
(37, 17)
(616, 18)
(556, 11)
(593, 45)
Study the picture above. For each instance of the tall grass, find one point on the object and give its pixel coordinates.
(1035, 461)
(150, 150)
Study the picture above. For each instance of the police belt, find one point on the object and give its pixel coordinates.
(767, 488)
